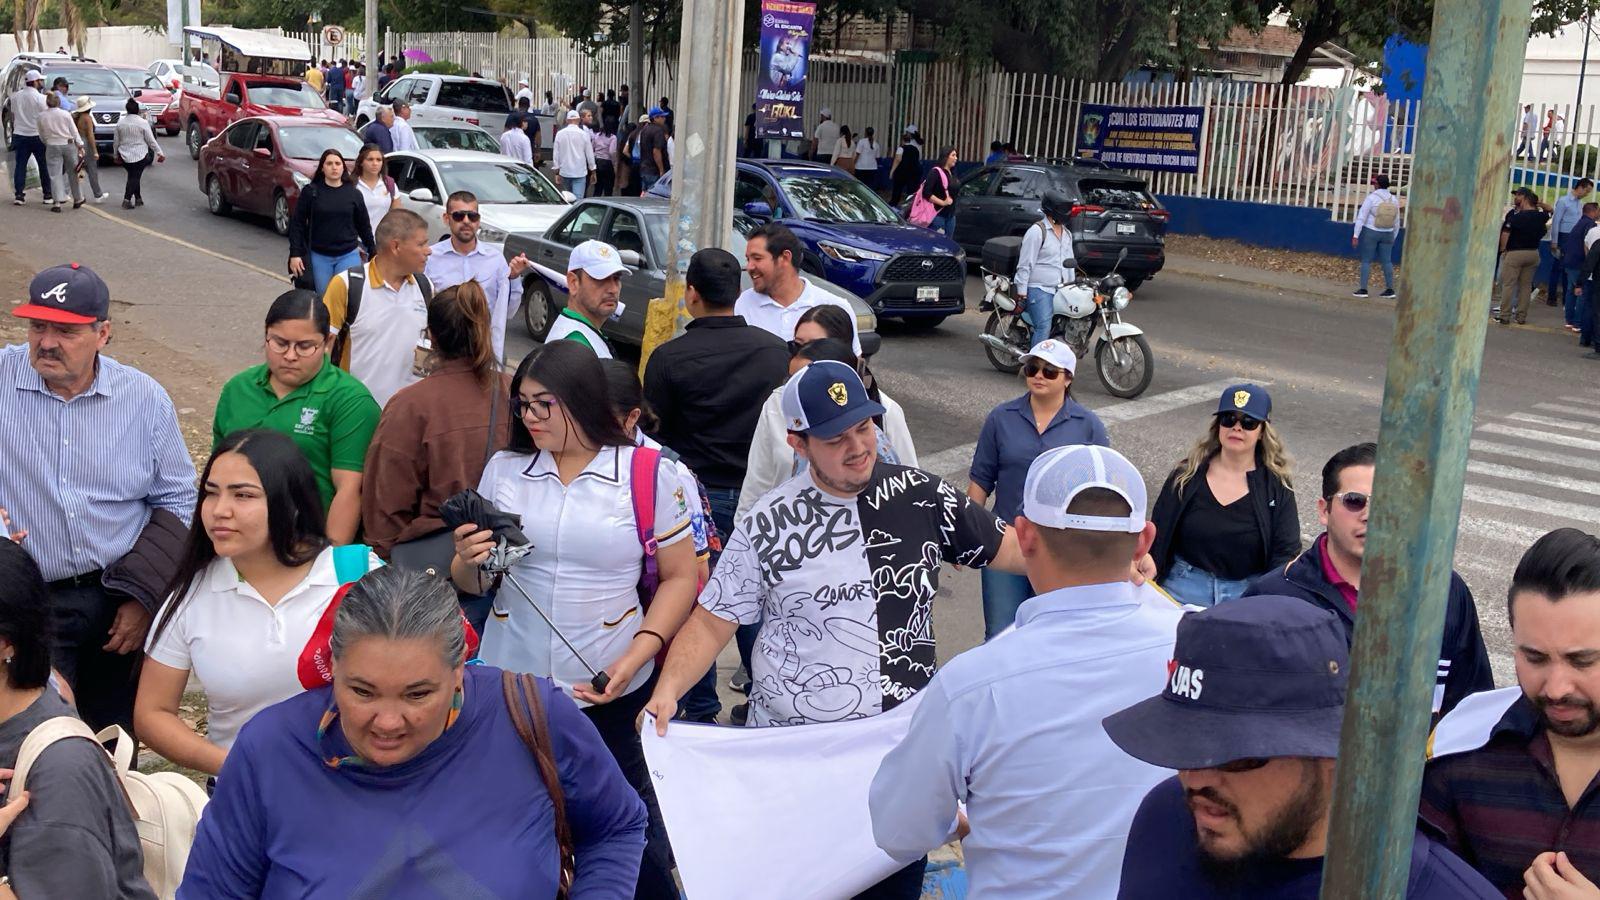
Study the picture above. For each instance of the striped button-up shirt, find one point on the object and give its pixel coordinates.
(486, 264)
(84, 474)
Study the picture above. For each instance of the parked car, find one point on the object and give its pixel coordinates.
(444, 100)
(1112, 211)
(854, 239)
(85, 77)
(637, 227)
(175, 74)
(513, 197)
(259, 164)
(159, 104)
(455, 137)
(207, 111)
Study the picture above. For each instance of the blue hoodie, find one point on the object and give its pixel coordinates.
(468, 817)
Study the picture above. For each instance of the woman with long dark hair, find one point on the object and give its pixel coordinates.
(939, 188)
(255, 578)
(330, 228)
(378, 190)
(569, 472)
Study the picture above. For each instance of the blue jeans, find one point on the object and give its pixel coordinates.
(1040, 309)
(646, 182)
(1003, 592)
(702, 699)
(1377, 245)
(1199, 587)
(323, 268)
(1574, 276)
(575, 186)
(944, 223)
(24, 147)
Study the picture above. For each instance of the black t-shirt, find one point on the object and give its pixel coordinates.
(936, 187)
(1525, 228)
(652, 137)
(1223, 540)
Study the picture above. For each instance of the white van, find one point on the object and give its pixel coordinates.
(444, 100)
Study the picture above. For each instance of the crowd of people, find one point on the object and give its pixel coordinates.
(55, 133)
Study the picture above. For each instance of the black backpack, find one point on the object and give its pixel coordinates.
(357, 278)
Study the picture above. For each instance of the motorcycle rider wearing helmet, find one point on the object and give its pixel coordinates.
(1045, 262)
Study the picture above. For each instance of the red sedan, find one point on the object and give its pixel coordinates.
(159, 103)
(260, 163)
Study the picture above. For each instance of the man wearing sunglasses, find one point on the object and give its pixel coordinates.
(462, 257)
(1247, 813)
(1328, 574)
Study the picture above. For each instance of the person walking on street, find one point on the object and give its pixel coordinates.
(1528, 125)
(330, 230)
(867, 154)
(1044, 263)
(514, 140)
(378, 191)
(1246, 815)
(134, 145)
(91, 152)
(844, 150)
(594, 281)
(462, 257)
(62, 145)
(1574, 249)
(1377, 226)
(650, 144)
(1227, 513)
(939, 188)
(378, 312)
(119, 459)
(400, 129)
(574, 156)
(906, 175)
(778, 294)
(27, 103)
(825, 137)
(1014, 435)
(604, 140)
(1524, 228)
(299, 392)
(1566, 216)
(380, 130)
(336, 83)
(1588, 279)
(1011, 727)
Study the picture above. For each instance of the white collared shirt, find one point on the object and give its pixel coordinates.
(574, 152)
(244, 651)
(1012, 727)
(584, 569)
(384, 336)
(26, 105)
(762, 311)
(448, 267)
(378, 198)
(515, 144)
(402, 135)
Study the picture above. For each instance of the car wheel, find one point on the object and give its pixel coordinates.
(280, 213)
(922, 323)
(173, 131)
(195, 139)
(538, 310)
(215, 202)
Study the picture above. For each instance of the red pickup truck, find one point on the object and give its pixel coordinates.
(205, 112)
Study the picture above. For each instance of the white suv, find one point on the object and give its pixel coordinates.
(444, 100)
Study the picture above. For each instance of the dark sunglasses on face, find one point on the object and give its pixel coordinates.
(1036, 369)
(1230, 419)
(1354, 501)
(1243, 765)
(467, 215)
(796, 346)
(540, 408)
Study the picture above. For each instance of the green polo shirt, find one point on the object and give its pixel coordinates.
(331, 418)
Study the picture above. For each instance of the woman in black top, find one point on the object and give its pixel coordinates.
(330, 227)
(1227, 513)
(939, 188)
(907, 168)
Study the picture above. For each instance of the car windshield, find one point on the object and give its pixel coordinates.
(498, 182)
(272, 93)
(139, 79)
(836, 200)
(483, 96)
(657, 222)
(456, 139)
(308, 141)
(99, 82)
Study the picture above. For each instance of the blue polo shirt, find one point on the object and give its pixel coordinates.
(1011, 441)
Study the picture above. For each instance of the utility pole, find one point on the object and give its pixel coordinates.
(1583, 67)
(636, 98)
(369, 84)
(1469, 95)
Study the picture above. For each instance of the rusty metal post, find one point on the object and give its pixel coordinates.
(1453, 215)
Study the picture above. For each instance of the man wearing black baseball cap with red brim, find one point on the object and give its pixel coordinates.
(1250, 718)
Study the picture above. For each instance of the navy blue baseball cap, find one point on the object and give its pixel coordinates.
(825, 399)
(71, 294)
(1250, 399)
(1252, 678)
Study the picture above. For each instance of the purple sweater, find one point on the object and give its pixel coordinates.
(469, 817)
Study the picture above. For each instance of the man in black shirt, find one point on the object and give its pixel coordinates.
(652, 140)
(1524, 227)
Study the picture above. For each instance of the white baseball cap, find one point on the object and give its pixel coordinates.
(825, 112)
(522, 82)
(597, 259)
(1059, 475)
(572, 114)
(1054, 352)
(33, 75)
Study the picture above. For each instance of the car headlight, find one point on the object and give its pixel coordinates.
(961, 257)
(846, 253)
(1120, 298)
(491, 234)
(299, 180)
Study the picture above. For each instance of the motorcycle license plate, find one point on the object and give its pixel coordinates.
(927, 295)
(1126, 228)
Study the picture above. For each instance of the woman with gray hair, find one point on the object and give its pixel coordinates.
(415, 775)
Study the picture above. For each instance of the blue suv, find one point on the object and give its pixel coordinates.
(854, 239)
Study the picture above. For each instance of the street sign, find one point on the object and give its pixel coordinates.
(332, 35)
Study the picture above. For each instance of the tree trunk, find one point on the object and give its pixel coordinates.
(1323, 27)
(1117, 59)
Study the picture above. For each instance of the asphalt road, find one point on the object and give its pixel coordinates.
(202, 282)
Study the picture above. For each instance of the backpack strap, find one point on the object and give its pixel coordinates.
(425, 286)
(38, 740)
(355, 285)
(643, 471)
(526, 706)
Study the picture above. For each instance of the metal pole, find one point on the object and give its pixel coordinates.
(1470, 93)
(1584, 64)
(370, 82)
(636, 96)
(188, 52)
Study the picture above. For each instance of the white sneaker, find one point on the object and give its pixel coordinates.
(102, 196)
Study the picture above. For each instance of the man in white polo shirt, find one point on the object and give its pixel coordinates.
(594, 280)
(379, 312)
(780, 295)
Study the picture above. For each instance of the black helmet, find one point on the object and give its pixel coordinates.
(1057, 206)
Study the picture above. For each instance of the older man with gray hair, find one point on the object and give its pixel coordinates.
(400, 128)
(379, 130)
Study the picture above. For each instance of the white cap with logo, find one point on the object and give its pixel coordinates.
(597, 259)
(1059, 475)
(1054, 352)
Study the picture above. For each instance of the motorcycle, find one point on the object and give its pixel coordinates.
(1085, 309)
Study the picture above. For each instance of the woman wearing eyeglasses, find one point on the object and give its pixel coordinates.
(1013, 435)
(325, 410)
(1227, 513)
(568, 472)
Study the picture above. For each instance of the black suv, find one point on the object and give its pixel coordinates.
(1112, 210)
(84, 77)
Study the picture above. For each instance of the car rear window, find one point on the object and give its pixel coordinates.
(475, 95)
(1117, 194)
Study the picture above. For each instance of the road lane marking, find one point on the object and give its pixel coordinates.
(1592, 415)
(1576, 461)
(1499, 532)
(185, 244)
(1546, 422)
(1581, 401)
(1542, 437)
(1528, 503)
(1511, 473)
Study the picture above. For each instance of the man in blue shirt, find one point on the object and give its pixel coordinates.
(1568, 210)
(377, 131)
(1247, 813)
(1573, 248)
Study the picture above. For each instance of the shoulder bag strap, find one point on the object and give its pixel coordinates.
(526, 706)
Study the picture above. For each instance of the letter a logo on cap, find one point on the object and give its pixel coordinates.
(57, 293)
(838, 393)
(1240, 399)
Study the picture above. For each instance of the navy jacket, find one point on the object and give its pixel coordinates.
(1277, 517)
(1463, 659)
(1572, 241)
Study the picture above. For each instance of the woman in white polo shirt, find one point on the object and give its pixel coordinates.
(567, 473)
(256, 577)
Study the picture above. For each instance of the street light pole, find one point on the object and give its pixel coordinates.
(1470, 93)
(1583, 67)
(370, 82)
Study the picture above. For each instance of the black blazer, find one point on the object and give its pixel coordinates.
(1273, 502)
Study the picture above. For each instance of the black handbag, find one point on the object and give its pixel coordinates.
(432, 552)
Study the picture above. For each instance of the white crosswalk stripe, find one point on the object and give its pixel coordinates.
(1543, 437)
(1546, 422)
(1512, 473)
(1574, 512)
(1566, 410)
(1582, 401)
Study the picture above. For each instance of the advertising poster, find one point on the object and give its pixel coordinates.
(781, 83)
(1158, 138)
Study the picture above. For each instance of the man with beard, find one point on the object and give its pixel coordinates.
(1250, 718)
(1512, 783)
(594, 282)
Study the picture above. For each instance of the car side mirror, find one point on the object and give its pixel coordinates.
(264, 152)
(569, 197)
(231, 97)
(631, 258)
(757, 209)
(422, 195)
(138, 92)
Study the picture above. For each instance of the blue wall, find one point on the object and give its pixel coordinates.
(1264, 225)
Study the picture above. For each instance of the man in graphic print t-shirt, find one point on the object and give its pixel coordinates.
(839, 565)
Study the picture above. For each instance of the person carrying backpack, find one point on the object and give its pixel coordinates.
(1377, 225)
(387, 348)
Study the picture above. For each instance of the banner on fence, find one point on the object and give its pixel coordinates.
(781, 82)
(1159, 138)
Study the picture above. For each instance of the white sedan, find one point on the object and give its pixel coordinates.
(513, 197)
(175, 74)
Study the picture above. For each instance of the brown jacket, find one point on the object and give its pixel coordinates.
(430, 443)
(85, 123)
